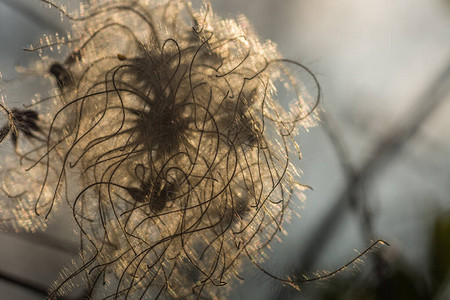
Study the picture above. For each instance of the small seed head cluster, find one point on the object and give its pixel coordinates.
(166, 141)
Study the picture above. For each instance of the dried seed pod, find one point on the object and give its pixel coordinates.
(62, 76)
(178, 153)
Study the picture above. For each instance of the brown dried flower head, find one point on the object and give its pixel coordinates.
(165, 139)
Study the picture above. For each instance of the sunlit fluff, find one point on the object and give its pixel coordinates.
(168, 145)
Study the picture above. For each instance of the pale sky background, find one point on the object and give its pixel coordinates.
(374, 60)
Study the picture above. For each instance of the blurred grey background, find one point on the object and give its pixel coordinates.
(379, 163)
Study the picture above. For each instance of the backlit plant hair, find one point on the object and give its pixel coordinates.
(165, 139)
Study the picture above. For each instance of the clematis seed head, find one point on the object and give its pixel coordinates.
(165, 138)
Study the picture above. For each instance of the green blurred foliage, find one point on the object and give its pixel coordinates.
(398, 279)
(439, 254)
